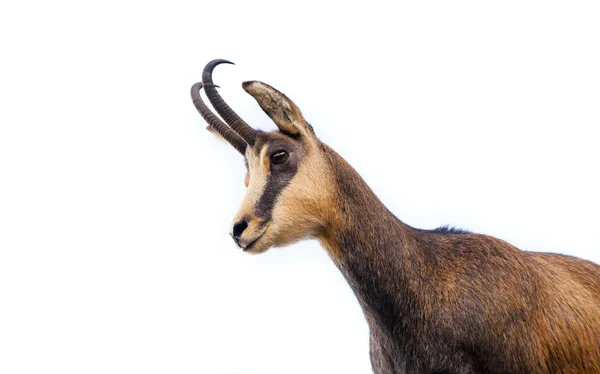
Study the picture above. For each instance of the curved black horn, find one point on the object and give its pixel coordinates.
(215, 123)
(231, 118)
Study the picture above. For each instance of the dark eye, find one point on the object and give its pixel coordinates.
(279, 157)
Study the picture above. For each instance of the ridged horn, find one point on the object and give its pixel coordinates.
(215, 123)
(229, 116)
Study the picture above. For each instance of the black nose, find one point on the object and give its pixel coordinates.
(238, 229)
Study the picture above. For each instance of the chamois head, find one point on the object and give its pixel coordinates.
(287, 180)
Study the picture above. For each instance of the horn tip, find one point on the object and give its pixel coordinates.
(207, 72)
(195, 90)
(219, 61)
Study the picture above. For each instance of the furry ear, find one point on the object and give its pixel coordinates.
(282, 110)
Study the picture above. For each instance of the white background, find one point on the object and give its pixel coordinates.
(115, 203)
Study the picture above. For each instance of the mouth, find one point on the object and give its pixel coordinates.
(249, 246)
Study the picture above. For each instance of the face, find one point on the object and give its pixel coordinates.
(287, 196)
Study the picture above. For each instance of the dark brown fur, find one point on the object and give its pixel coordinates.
(454, 302)
(440, 301)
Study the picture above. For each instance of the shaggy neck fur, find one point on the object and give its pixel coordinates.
(379, 258)
(426, 294)
(363, 237)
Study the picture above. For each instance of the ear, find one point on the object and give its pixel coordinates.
(282, 110)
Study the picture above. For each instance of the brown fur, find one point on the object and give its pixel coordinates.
(436, 301)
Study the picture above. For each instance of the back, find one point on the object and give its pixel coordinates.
(513, 310)
(569, 323)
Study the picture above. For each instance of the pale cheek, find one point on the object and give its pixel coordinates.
(247, 180)
(290, 225)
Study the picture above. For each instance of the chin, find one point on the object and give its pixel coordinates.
(255, 250)
(257, 247)
(265, 243)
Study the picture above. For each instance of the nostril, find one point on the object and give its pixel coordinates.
(238, 229)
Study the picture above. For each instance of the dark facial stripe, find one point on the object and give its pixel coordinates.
(277, 180)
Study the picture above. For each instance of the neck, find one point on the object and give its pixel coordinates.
(374, 250)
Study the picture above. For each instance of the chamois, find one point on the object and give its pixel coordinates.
(436, 301)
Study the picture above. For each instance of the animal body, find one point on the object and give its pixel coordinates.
(436, 301)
